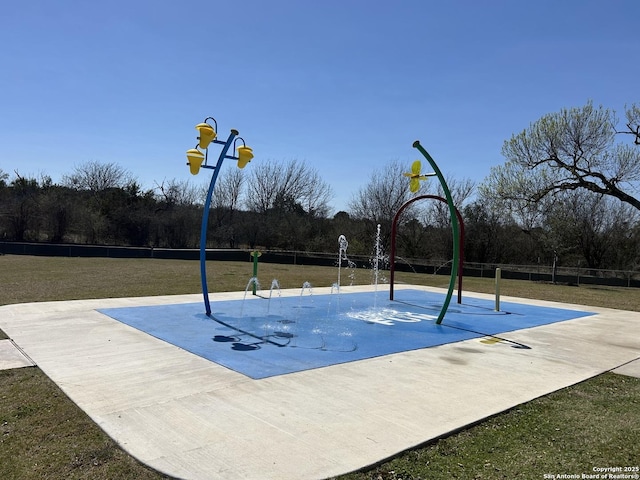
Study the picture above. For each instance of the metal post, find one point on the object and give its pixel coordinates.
(454, 228)
(205, 221)
(394, 228)
(498, 277)
(255, 255)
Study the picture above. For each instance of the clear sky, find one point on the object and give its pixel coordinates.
(344, 85)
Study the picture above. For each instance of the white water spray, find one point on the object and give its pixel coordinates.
(342, 254)
(274, 286)
(376, 260)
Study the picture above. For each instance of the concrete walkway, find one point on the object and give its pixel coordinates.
(11, 356)
(191, 418)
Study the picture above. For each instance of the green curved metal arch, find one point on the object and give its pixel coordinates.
(454, 228)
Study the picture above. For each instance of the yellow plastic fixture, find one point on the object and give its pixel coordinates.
(245, 154)
(194, 159)
(207, 134)
(415, 176)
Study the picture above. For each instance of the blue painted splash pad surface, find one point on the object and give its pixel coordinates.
(261, 337)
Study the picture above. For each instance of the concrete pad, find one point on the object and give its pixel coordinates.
(631, 369)
(192, 418)
(12, 357)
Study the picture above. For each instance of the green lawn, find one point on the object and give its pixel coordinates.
(45, 435)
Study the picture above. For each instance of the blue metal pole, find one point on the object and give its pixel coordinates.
(205, 221)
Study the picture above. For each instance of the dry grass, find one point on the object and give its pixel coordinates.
(31, 279)
(38, 279)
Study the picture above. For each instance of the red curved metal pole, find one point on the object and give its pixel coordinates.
(392, 256)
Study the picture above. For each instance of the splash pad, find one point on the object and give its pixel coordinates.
(301, 331)
(264, 336)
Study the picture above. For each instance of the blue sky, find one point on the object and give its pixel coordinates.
(344, 85)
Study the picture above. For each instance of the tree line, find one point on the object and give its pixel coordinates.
(566, 191)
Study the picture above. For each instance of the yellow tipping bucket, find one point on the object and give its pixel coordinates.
(245, 154)
(194, 159)
(207, 134)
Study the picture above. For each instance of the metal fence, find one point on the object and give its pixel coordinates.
(561, 274)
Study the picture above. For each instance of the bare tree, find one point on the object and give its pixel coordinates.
(315, 198)
(511, 195)
(438, 213)
(96, 177)
(263, 186)
(633, 122)
(295, 181)
(224, 203)
(573, 149)
(384, 194)
(178, 192)
(228, 190)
